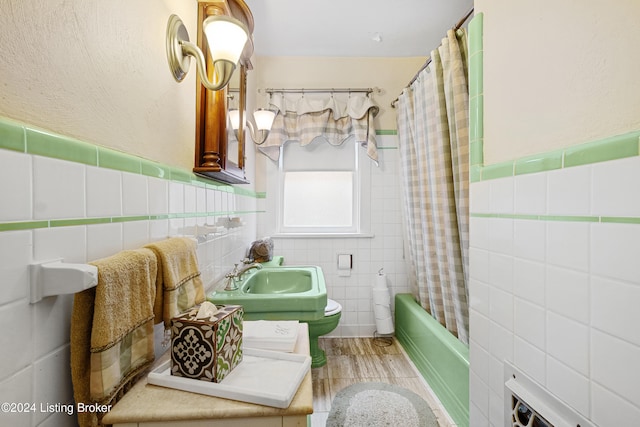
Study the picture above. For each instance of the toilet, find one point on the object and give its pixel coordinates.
(317, 328)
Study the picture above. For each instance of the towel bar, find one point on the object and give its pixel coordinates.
(55, 277)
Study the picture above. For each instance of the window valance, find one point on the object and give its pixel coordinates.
(305, 118)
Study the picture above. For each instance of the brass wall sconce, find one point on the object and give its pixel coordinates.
(226, 38)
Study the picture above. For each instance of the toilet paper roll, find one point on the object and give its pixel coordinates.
(344, 262)
(344, 265)
(381, 311)
(384, 326)
(381, 296)
(381, 281)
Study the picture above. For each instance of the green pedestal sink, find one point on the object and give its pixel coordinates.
(280, 281)
(279, 293)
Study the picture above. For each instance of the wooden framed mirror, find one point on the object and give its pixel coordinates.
(219, 151)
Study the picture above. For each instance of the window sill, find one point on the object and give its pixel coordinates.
(323, 236)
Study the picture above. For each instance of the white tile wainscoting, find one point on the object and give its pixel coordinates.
(54, 208)
(64, 203)
(555, 282)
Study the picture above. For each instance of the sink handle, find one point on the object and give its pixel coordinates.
(232, 285)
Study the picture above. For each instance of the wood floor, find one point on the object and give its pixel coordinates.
(354, 360)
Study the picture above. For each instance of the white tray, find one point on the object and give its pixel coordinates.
(264, 377)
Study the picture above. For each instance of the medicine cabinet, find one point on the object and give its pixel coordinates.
(219, 151)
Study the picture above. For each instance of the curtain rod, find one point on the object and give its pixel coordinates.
(328, 90)
(428, 61)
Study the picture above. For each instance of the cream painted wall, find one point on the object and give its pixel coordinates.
(558, 74)
(97, 71)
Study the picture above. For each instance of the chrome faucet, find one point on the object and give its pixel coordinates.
(248, 267)
(235, 276)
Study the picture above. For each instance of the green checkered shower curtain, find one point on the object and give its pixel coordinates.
(433, 132)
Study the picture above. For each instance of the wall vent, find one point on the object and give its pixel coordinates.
(528, 404)
(523, 416)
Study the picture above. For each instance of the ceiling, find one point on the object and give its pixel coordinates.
(354, 28)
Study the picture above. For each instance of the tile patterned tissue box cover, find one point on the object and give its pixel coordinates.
(206, 349)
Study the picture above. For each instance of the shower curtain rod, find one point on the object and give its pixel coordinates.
(328, 90)
(426, 64)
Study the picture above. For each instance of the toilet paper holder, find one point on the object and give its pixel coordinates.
(345, 264)
(55, 277)
(345, 261)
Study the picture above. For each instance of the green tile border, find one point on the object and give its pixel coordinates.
(538, 163)
(12, 136)
(133, 218)
(561, 218)
(476, 121)
(616, 147)
(619, 220)
(475, 173)
(16, 136)
(19, 137)
(70, 222)
(612, 148)
(476, 28)
(154, 170)
(181, 175)
(498, 170)
(387, 132)
(476, 98)
(23, 225)
(48, 144)
(79, 221)
(475, 153)
(112, 159)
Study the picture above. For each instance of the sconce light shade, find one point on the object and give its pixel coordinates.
(226, 37)
(234, 118)
(259, 132)
(264, 119)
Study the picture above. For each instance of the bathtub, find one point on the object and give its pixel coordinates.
(442, 360)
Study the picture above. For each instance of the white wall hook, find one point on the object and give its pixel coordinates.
(55, 277)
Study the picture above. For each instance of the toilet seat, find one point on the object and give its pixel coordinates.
(333, 307)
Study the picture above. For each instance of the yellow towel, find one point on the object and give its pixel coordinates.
(112, 329)
(178, 278)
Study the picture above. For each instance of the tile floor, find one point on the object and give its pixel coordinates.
(353, 360)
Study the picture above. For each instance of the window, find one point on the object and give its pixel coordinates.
(323, 189)
(318, 199)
